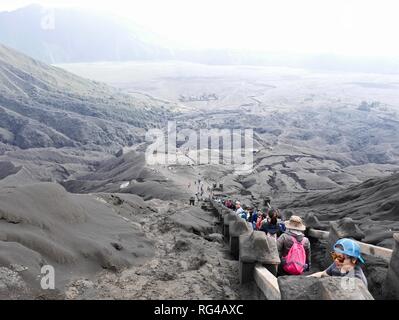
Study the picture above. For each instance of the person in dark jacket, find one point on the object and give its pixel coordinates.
(294, 228)
(250, 213)
(253, 218)
(271, 225)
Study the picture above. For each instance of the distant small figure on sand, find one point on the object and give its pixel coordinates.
(192, 201)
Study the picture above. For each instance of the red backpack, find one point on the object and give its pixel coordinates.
(295, 260)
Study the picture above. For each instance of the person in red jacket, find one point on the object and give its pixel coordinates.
(261, 216)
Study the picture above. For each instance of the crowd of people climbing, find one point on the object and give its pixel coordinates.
(294, 247)
(200, 194)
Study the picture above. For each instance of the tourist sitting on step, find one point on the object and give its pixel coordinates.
(294, 248)
(347, 259)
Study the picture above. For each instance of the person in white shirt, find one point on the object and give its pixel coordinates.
(239, 211)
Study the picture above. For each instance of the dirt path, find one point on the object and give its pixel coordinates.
(185, 266)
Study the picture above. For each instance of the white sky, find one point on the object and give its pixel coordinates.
(348, 27)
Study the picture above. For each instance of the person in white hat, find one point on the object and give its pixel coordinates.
(293, 234)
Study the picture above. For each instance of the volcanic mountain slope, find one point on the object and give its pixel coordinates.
(19, 167)
(127, 174)
(373, 204)
(107, 245)
(313, 131)
(73, 35)
(44, 106)
(41, 224)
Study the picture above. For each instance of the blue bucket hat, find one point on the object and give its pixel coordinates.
(351, 248)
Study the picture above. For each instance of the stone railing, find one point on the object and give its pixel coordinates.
(258, 258)
(257, 254)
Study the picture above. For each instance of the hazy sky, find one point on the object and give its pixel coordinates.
(349, 27)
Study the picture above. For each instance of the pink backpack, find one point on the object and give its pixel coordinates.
(295, 260)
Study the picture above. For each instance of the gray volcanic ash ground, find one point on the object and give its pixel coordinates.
(114, 226)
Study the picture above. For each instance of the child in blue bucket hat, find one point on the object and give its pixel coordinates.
(347, 259)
